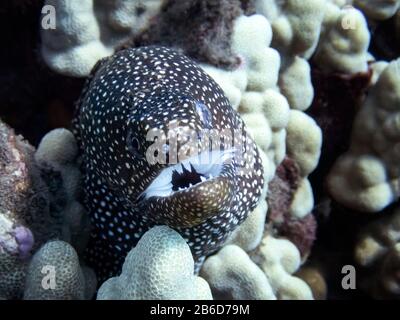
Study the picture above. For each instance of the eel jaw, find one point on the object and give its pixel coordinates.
(188, 174)
(188, 193)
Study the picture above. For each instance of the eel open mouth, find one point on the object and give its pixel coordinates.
(188, 173)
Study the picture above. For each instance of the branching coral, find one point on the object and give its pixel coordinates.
(344, 41)
(90, 30)
(304, 141)
(296, 24)
(159, 267)
(269, 118)
(232, 275)
(366, 177)
(264, 273)
(279, 259)
(252, 87)
(55, 274)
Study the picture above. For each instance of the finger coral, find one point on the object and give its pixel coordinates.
(90, 30)
(279, 259)
(253, 90)
(160, 267)
(366, 177)
(232, 275)
(344, 41)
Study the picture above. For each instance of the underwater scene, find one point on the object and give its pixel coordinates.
(200, 150)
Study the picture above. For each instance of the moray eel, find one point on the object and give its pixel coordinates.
(151, 90)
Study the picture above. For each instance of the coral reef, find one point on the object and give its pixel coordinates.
(263, 273)
(90, 30)
(24, 207)
(58, 259)
(160, 267)
(366, 177)
(36, 203)
(316, 84)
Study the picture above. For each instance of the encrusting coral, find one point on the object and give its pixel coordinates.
(24, 207)
(54, 273)
(281, 222)
(160, 267)
(366, 177)
(90, 30)
(201, 29)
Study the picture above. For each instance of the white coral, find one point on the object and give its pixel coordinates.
(232, 275)
(344, 41)
(279, 259)
(366, 178)
(160, 267)
(89, 30)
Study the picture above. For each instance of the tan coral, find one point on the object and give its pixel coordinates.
(279, 259)
(232, 275)
(344, 42)
(160, 267)
(90, 30)
(58, 259)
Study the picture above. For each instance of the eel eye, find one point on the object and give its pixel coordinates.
(204, 114)
(133, 145)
